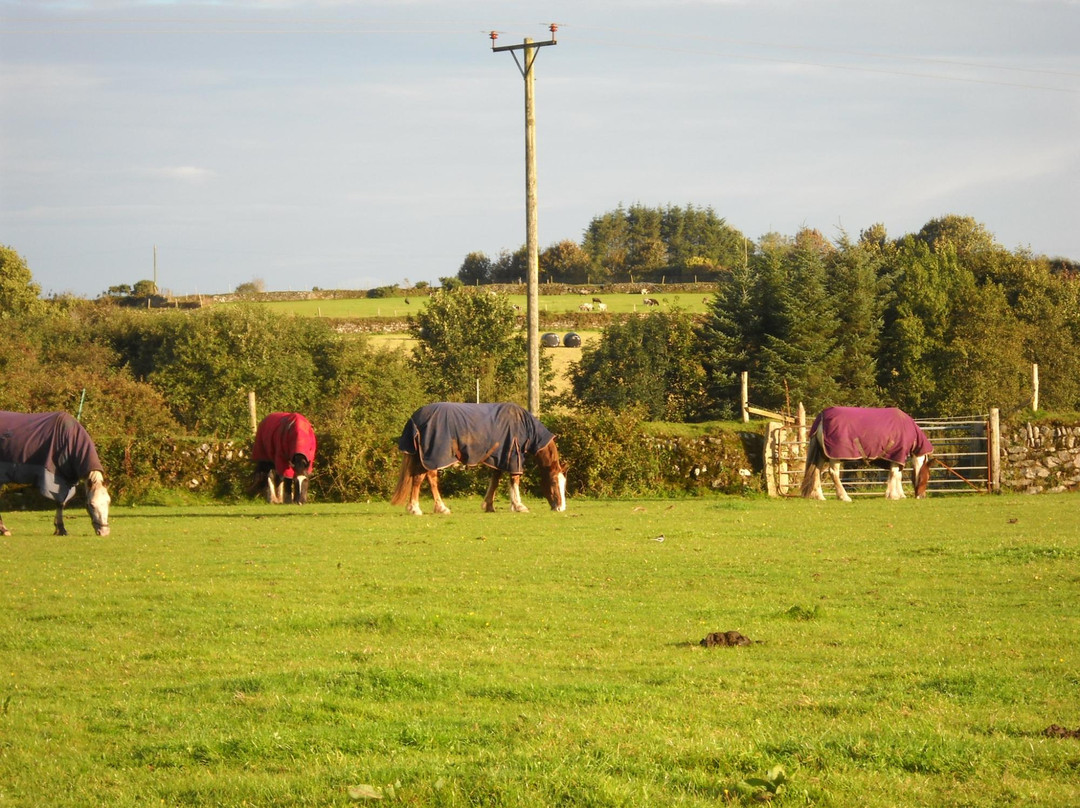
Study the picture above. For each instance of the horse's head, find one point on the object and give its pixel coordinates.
(97, 502)
(920, 474)
(552, 476)
(301, 467)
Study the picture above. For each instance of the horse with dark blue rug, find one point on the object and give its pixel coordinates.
(499, 436)
(53, 451)
(881, 436)
(284, 454)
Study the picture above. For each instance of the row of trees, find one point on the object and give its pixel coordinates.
(636, 243)
(944, 321)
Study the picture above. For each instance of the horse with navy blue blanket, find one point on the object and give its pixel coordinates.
(53, 451)
(495, 435)
(882, 436)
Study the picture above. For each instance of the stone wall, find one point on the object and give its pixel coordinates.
(1038, 458)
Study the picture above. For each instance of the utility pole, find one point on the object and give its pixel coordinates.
(532, 238)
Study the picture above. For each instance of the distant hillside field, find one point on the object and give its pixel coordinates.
(362, 307)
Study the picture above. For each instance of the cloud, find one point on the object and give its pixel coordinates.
(190, 175)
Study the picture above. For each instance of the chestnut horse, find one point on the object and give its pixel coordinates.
(53, 451)
(881, 436)
(495, 435)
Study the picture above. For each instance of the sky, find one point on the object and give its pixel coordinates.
(342, 144)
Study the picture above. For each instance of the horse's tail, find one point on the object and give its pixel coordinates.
(815, 457)
(404, 484)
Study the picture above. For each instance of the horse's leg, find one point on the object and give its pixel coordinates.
(416, 479)
(815, 490)
(489, 497)
(834, 472)
(516, 505)
(59, 521)
(3, 530)
(272, 495)
(433, 482)
(894, 488)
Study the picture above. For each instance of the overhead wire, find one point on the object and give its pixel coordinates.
(380, 27)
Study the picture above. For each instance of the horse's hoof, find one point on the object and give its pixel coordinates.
(4, 531)
(519, 509)
(414, 510)
(443, 510)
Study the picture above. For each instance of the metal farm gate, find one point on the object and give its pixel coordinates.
(966, 459)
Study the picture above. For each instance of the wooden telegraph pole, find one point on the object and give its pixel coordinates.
(532, 238)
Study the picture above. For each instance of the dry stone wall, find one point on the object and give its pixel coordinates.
(1040, 458)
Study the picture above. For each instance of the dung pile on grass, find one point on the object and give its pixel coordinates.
(726, 638)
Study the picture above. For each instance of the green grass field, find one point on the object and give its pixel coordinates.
(361, 307)
(906, 654)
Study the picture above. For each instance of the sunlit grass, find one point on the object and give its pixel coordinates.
(905, 654)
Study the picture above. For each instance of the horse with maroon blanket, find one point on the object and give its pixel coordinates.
(495, 435)
(284, 453)
(53, 451)
(884, 436)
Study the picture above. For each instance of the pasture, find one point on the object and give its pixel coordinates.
(906, 654)
(362, 307)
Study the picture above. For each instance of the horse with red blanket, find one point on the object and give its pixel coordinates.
(495, 435)
(284, 454)
(53, 451)
(881, 436)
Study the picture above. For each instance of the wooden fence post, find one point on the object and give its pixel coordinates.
(993, 451)
(251, 411)
(772, 436)
(745, 396)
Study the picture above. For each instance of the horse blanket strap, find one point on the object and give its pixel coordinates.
(494, 435)
(280, 436)
(50, 450)
(870, 433)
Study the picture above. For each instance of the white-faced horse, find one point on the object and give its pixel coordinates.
(53, 451)
(882, 436)
(495, 435)
(284, 454)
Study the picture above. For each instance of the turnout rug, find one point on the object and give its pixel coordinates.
(50, 450)
(281, 435)
(870, 433)
(494, 435)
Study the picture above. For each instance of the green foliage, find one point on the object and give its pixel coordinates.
(566, 262)
(366, 399)
(645, 243)
(205, 362)
(467, 335)
(19, 295)
(648, 361)
(606, 451)
(475, 269)
(942, 323)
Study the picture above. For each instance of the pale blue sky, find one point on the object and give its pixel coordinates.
(356, 144)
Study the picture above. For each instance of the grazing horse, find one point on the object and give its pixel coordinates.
(884, 437)
(284, 453)
(53, 451)
(494, 435)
